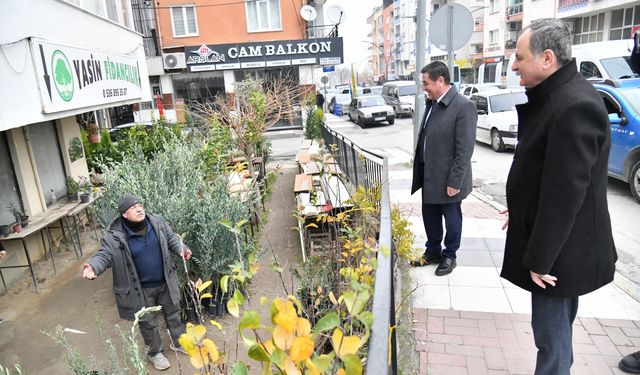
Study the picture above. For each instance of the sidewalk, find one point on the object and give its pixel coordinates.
(474, 322)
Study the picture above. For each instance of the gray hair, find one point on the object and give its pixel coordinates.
(553, 34)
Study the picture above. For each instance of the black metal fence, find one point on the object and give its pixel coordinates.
(363, 167)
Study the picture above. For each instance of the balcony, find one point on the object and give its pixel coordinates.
(510, 44)
(514, 12)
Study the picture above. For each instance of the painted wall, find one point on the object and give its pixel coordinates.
(222, 21)
(59, 22)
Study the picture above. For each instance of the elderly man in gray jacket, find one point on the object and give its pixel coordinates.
(137, 247)
(442, 165)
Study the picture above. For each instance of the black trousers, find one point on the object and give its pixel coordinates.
(552, 322)
(432, 215)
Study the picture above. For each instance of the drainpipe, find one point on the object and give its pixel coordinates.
(32, 159)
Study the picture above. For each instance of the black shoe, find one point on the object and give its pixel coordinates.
(630, 363)
(425, 260)
(446, 266)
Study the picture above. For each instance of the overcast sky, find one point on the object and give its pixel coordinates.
(354, 29)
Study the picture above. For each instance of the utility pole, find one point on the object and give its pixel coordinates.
(421, 15)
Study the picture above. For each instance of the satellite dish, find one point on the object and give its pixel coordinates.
(308, 13)
(459, 18)
(335, 14)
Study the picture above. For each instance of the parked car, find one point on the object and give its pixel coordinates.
(497, 117)
(370, 109)
(622, 100)
(401, 95)
(342, 99)
(470, 89)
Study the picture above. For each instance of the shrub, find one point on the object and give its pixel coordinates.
(315, 117)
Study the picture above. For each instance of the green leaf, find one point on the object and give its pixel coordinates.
(226, 223)
(242, 222)
(366, 318)
(353, 365)
(328, 322)
(356, 302)
(257, 352)
(250, 320)
(204, 286)
(238, 297)
(239, 368)
(224, 283)
(323, 362)
(278, 357)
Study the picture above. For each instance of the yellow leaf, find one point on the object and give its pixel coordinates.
(282, 338)
(341, 372)
(197, 331)
(269, 346)
(344, 345)
(303, 327)
(332, 298)
(233, 308)
(206, 295)
(301, 349)
(204, 286)
(263, 300)
(286, 316)
(311, 225)
(216, 324)
(254, 268)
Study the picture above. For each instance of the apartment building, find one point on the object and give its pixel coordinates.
(208, 46)
(376, 61)
(62, 61)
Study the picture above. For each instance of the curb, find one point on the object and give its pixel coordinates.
(488, 200)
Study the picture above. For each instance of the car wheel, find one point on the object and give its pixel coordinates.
(634, 181)
(350, 119)
(496, 141)
(361, 123)
(391, 121)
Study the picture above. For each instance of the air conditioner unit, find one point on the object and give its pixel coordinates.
(174, 60)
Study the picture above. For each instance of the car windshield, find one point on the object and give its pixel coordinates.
(343, 98)
(371, 101)
(376, 90)
(617, 67)
(406, 90)
(507, 102)
(633, 99)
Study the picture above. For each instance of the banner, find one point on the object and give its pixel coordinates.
(72, 77)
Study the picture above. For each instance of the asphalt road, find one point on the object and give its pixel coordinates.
(490, 171)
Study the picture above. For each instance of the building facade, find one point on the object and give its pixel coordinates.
(62, 61)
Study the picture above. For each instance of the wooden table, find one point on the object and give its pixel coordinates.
(40, 223)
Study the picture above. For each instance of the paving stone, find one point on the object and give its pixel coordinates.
(446, 370)
(446, 359)
(466, 350)
(605, 345)
(422, 362)
(597, 364)
(459, 322)
(420, 315)
(435, 324)
(487, 328)
(419, 334)
(495, 359)
(477, 366)
(520, 366)
(476, 315)
(580, 335)
(503, 321)
(443, 313)
(617, 336)
(445, 339)
(507, 338)
(462, 331)
(427, 346)
(585, 349)
(592, 326)
(631, 332)
(617, 323)
(481, 341)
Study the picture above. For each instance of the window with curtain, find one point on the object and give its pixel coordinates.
(184, 20)
(263, 15)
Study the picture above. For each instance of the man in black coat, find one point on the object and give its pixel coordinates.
(559, 243)
(442, 165)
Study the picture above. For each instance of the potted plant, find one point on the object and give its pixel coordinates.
(93, 132)
(18, 214)
(17, 228)
(72, 189)
(85, 189)
(5, 230)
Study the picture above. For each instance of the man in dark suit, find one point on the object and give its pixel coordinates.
(559, 242)
(442, 165)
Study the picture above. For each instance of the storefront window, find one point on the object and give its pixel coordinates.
(46, 152)
(198, 87)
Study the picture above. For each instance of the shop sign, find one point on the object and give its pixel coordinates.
(322, 51)
(72, 77)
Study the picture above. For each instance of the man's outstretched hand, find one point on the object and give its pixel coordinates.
(88, 272)
(186, 253)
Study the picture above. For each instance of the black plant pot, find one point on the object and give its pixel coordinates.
(24, 221)
(190, 315)
(84, 198)
(4, 230)
(72, 198)
(221, 308)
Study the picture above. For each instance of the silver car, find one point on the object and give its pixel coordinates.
(370, 109)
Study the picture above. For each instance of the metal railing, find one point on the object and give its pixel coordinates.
(363, 167)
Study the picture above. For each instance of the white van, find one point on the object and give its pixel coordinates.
(598, 60)
(400, 95)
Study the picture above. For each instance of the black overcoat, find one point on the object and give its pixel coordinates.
(557, 189)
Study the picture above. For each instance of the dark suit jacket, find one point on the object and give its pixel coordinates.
(450, 137)
(557, 189)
